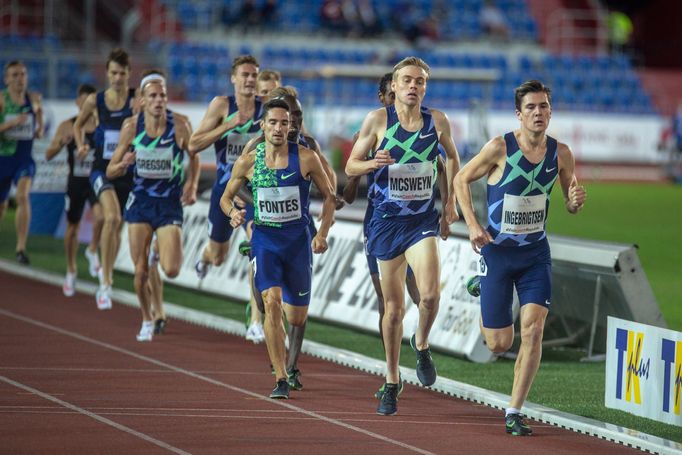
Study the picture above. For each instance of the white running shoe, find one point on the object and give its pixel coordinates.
(93, 263)
(146, 331)
(201, 268)
(255, 333)
(104, 298)
(69, 286)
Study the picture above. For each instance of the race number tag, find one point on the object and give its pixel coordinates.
(110, 143)
(279, 204)
(154, 163)
(235, 145)
(523, 214)
(82, 168)
(411, 181)
(21, 132)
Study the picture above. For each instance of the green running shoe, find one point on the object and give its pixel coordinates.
(379, 393)
(516, 425)
(245, 248)
(295, 379)
(474, 286)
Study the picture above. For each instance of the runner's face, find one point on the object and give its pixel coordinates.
(154, 98)
(535, 112)
(263, 89)
(409, 85)
(118, 76)
(295, 117)
(16, 78)
(244, 79)
(275, 126)
(387, 96)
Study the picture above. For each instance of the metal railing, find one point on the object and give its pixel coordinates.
(577, 31)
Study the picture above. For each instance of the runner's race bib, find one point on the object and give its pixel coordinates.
(154, 163)
(410, 181)
(110, 143)
(25, 131)
(279, 204)
(82, 168)
(523, 214)
(235, 145)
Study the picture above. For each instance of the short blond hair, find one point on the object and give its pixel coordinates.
(269, 75)
(411, 61)
(243, 60)
(284, 91)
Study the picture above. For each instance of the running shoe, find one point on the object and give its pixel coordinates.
(426, 370)
(281, 390)
(474, 286)
(104, 298)
(146, 331)
(294, 379)
(245, 248)
(380, 392)
(93, 262)
(516, 425)
(388, 405)
(160, 326)
(255, 333)
(201, 268)
(69, 286)
(22, 258)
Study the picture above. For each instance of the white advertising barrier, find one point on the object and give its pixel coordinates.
(644, 370)
(342, 290)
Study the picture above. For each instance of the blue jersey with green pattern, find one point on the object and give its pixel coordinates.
(406, 187)
(230, 145)
(158, 169)
(519, 203)
(280, 196)
(17, 141)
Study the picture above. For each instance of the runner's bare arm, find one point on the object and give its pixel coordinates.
(87, 109)
(574, 194)
(123, 157)
(61, 137)
(212, 126)
(239, 177)
(311, 166)
(183, 130)
(358, 164)
(481, 165)
(37, 104)
(451, 165)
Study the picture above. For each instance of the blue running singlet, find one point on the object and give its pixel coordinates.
(109, 128)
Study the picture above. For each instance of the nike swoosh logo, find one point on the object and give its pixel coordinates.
(550, 170)
(301, 294)
(284, 177)
(421, 136)
(427, 232)
(166, 142)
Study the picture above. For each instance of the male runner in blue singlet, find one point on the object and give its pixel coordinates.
(228, 124)
(154, 141)
(78, 192)
(21, 120)
(521, 168)
(405, 223)
(280, 173)
(110, 108)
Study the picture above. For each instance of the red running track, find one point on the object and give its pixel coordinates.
(74, 380)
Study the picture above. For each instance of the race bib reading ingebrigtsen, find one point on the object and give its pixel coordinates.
(110, 143)
(523, 214)
(411, 181)
(280, 204)
(22, 132)
(154, 163)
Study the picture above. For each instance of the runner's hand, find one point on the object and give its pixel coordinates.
(479, 237)
(83, 151)
(382, 158)
(576, 197)
(319, 244)
(237, 217)
(444, 228)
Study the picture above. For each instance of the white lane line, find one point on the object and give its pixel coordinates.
(97, 417)
(213, 381)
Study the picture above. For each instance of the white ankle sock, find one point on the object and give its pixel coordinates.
(511, 411)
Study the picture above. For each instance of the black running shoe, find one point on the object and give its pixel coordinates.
(426, 370)
(388, 405)
(380, 392)
(245, 248)
(281, 390)
(295, 379)
(160, 326)
(474, 286)
(516, 425)
(22, 258)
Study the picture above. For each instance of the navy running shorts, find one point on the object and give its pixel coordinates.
(283, 259)
(390, 237)
(219, 229)
(78, 192)
(11, 171)
(527, 267)
(157, 212)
